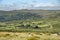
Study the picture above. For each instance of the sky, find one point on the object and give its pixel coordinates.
(29, 4)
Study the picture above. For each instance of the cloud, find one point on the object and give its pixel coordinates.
(19, 4)
(44, 5)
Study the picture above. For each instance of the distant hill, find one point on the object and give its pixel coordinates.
(28, 14)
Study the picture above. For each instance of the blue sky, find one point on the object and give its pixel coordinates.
(29, 4)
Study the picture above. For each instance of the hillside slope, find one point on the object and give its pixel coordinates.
(28, 14)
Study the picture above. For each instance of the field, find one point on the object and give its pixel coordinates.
(30, 30)
(28, 36)
(30, 25)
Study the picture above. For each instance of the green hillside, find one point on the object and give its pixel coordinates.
(30, 21)
(28, 14)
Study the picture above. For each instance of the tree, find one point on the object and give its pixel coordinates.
(36, 27)
(28, 25)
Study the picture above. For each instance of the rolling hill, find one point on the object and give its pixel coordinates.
(28, 14)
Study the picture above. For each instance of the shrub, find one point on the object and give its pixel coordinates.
(36, 27)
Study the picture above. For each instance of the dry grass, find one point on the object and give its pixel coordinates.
(27, 36)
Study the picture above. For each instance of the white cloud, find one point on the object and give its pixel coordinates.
(18, 6)
(44, 5)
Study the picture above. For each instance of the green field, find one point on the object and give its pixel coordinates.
(31, 26)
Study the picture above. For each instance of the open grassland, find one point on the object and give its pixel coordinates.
(31, 26)
(28, 36)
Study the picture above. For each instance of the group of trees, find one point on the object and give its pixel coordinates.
(28, 26)
(19, 16)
